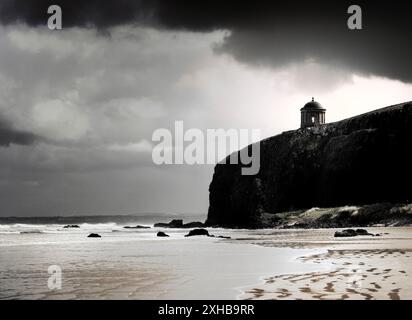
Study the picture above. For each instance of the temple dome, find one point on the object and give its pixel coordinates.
(313, 105)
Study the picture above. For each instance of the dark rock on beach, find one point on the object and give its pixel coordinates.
(194, 224)
(197, 232)
(363, 232)
(162, 234)
(220, 237)
(94, 235)
(361, 161)
(352, 233)
(136, 227)
(71, 226)
(178, 223)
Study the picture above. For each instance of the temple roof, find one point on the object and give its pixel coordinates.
(313, 105)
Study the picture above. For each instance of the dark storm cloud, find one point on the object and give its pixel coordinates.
(262, 32)
(8, 136)
(89, 13)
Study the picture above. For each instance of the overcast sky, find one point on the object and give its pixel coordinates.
(78, 106)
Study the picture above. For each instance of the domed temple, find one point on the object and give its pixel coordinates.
(312, 114)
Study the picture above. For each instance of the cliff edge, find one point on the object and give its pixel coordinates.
(362, 160)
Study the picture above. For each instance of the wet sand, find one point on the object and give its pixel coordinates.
(137, 264)
(364, 268)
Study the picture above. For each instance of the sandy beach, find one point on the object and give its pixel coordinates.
(360, 268)
(252, 264)
(136, 264)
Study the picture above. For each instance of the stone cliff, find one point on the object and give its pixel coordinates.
(361, 160)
